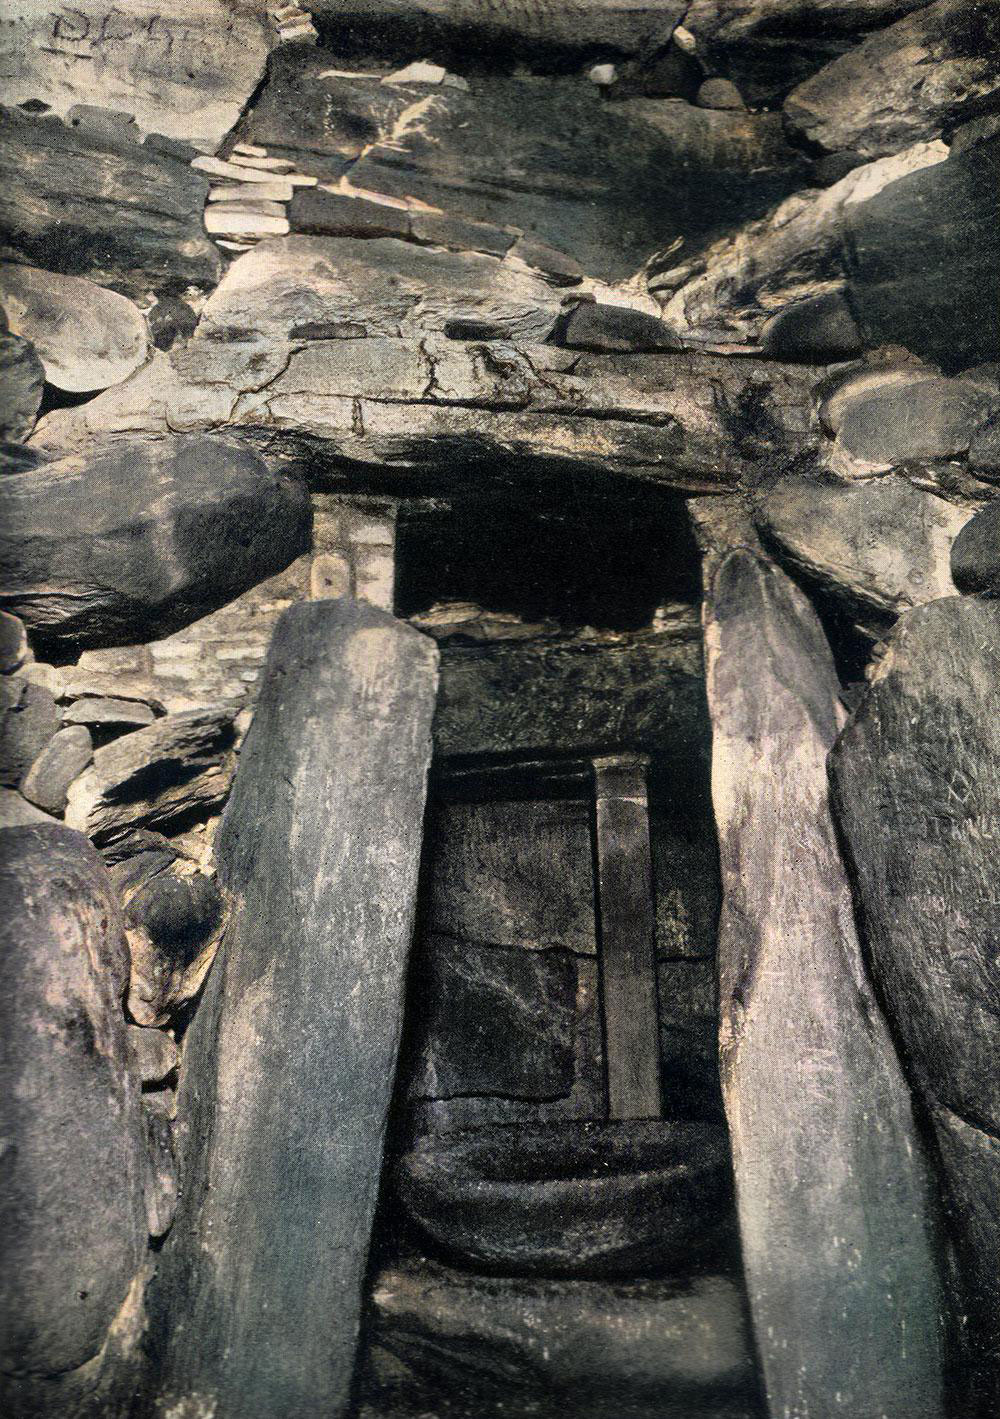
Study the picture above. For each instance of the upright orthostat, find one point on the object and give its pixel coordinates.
(831, 1186)
(289, 1064)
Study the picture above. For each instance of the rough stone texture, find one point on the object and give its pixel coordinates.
(768, 46)
(917, 796)
(142, 537)
(124, 213)
(15, 457)
(878, 546)
(905, 83)
(914, 421)
(63, 759)
(182, 72)
(301, 1020)
(809, 1074)
(975, 556)
(154, 1054)
(73, 1224)
(177, 768)
(572, 1198)
(22, 377)
(14, 648)
(649, 1350)
(819, 329)
(161, 1181)
(598, 326)
(28, 720)
(86, 337)
(494, 1021)
(346, 287)
(446, 407)
(17, 812)
(103, 713)
(984, 450)
(923, 260)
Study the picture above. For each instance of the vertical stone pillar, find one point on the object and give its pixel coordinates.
(832, 1188)
(627, 937)
(289, 1064)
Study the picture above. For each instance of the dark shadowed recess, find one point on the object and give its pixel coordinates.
(577, 559)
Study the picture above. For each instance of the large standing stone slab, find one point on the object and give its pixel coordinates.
(289, 1064)
(71, 1206)
(917, 793)
(135, 540)
(830, 1178)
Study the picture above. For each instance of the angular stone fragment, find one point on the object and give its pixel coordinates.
(22, 378)
(879, 546)
(86, 337)
(102, 712)
(809, 1073)
(311, 286)
(595, 326)
(161, 1180)
(73, 1223)
(327, 808)
(28, 720)
(153, 1052)
(63, 759)
(138, 539)
(917, 797)
(975, 556)
(179, 766)
(905, 83)
(323, 213)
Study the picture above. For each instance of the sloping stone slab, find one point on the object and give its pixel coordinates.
(917, 795)
(879, 546)
(905, 83)
(87, 338)
(320, 847)
(179, 766)
(140, 538)
(72, 1212)
(831, 1183)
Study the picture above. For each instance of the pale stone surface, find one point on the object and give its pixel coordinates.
(301, 1021)
(831, 1183)
(183, 72)
(62, 760)
(86, 337)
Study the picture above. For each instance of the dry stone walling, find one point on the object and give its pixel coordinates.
(286, 284)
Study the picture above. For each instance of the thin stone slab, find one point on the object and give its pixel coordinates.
(917, 796)
(72, 1214)
(259, 1299)
(63, 759)
(831, 1183)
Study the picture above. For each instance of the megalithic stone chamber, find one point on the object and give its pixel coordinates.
(289, 1063)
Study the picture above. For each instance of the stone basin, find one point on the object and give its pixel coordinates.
(573, 1198)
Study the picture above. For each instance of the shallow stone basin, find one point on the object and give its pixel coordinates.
(573, 1198)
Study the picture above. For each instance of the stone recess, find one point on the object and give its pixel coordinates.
(73, 1221)
(301, 1020)
(143, 537)
(918, 798)
(827, 1158)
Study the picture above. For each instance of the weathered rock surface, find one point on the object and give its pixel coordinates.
(86, 337)
(140, 538)
(768, 46)
(153, 1053)
(918, 799)
(177, 768)
(649, 1350)
(17, 812)
(124, 213)
(161, 1180)
(73, 1224)
(63, 759)
(879, 546)
(573, 1198)
(14, 648)
(28, 720)
(903, 84)
(22, 377)
(984, 450)
(184, 73)
(302, 287)
(904, 422)
(301, 1019)
(808, 1069)
(436, 405)
(975, 556)
(104, 713)
(494, 1021)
